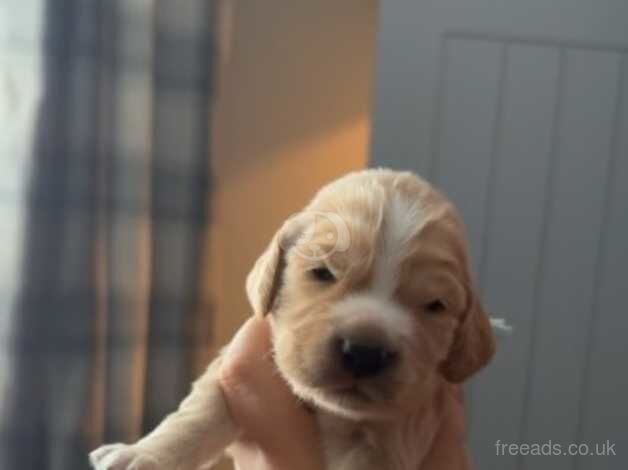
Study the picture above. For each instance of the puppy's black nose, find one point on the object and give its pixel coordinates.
(363, 359)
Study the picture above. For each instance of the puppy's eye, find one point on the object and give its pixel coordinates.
(435, 306)
(322, 274)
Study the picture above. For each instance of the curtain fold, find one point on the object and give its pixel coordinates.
(104, 213)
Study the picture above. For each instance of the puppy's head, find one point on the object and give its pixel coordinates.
(371, 296)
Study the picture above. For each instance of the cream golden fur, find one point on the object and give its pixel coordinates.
(375, 321)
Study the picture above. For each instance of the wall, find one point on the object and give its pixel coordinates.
(292, 114)
(519, 112)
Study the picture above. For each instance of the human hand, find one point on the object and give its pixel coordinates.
(277, 432)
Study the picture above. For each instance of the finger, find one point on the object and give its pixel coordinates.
(251, 339)
(247, 354)
(255, 391)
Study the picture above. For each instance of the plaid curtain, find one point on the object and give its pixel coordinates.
(104, 185)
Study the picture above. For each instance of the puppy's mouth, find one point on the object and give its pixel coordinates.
(345, 396)
(356, 400)
(353, 392)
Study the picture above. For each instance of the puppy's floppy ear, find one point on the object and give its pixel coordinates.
(264, 280)
(474, 343)
(473, 346)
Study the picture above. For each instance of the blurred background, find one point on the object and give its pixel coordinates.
(150, 148)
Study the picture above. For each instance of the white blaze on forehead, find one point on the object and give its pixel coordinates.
(373, 310)
(402, 221)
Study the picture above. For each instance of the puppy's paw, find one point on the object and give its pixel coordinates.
(123, 457)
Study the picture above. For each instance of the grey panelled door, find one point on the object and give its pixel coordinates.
(519, 111)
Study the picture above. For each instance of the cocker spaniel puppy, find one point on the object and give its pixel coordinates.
(375, 321)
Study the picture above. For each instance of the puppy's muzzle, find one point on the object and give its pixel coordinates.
(362, 358)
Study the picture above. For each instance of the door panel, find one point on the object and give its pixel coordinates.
(519, 111)
(576, 192)
(466, 146)
(516, 207)
(605, 385)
